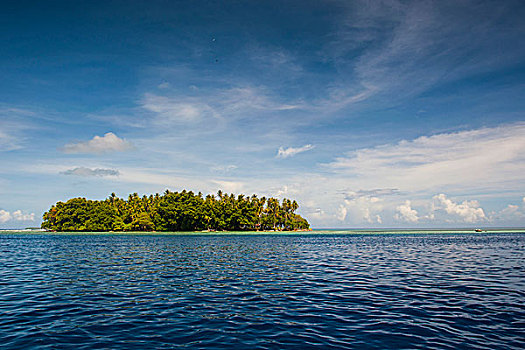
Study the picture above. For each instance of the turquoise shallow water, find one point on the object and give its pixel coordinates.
(401, 290)
(260, 233)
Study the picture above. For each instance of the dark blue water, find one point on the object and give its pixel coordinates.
(438, 291)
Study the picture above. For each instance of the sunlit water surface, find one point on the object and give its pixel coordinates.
(387, 291)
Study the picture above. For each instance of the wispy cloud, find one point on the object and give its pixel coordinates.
(272, 57)
(417, 45)
(83, 171)
(164, 85)
(199, 108)
(249, 98)
(176, 110)
(376, 192)
(13, 126)
(274, 61)
(291, 151)
(482, 157)
(511, 212)
(8, 142)
(223, 168)
(99, 144)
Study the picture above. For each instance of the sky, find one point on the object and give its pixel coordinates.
(371, 114)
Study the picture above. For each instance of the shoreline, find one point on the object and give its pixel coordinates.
(327, 232)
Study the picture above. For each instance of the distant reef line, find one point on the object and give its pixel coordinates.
(175, 212)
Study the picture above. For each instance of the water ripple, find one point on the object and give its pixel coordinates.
(440, 291)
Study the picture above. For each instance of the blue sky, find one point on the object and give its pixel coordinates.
(369, 113)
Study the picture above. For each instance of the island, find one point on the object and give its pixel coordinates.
(175, 211)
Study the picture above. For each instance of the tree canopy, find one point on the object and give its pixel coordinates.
(175, 211)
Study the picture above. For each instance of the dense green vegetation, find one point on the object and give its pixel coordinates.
(175, 211)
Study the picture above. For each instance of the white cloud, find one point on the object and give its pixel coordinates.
(467, 211)
(291, 151)
(17, 215)
(282, 191)
(173, 110)
(248, 98)
(4, 216)
(290, 190)
(229, 186)
(482, 158)
(317, 214)
(99, 144)
(218, 105)
(83, 171)
(341, 213)
(363, 209)
(406, 213)
(376, 192)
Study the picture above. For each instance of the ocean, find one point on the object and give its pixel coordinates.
(322, 289)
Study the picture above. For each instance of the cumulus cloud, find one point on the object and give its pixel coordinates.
(82, 171)
(341, 213)
(4, 216)
(361, 209)
(99, 144)
(406, 213)
(467, 211)
(17, 215)
(291, 151)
